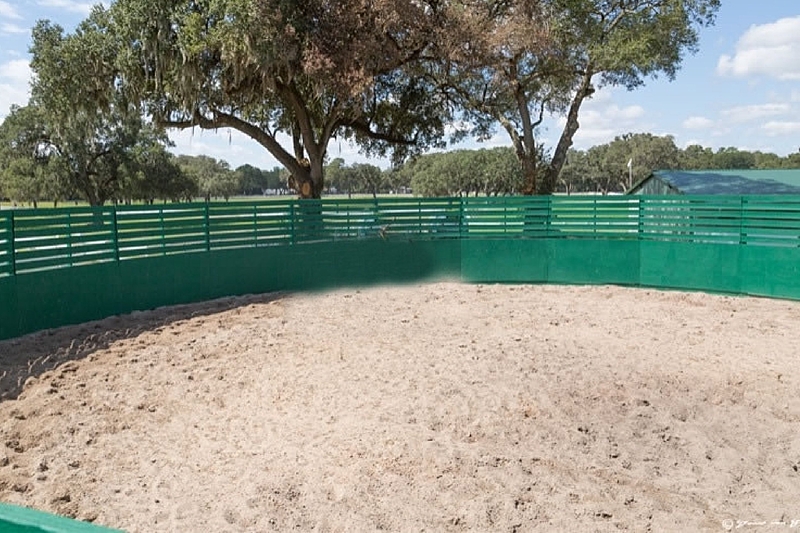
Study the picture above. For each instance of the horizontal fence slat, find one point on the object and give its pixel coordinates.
(52, 238)
(6, 245)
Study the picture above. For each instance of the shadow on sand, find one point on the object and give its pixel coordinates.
(32, 355)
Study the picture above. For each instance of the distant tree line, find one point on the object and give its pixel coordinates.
(144, 171)
(488, 172)
(150, 173)
(604, 168)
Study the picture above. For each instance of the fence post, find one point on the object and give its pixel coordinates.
(255, 225)
(208, 226)
(461, 225)
(640, 201)
(742, 204)
(291, 223)
(163, 230)
(419, 216)
(69, 238)
(549, 217)
(12, 246)
(505, 216)
(115, 233)
(348, 231)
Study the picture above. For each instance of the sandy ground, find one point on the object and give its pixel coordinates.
(439, 407)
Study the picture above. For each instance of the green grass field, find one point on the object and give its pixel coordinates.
(275, 198)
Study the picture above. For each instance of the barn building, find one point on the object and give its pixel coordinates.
(736, 182)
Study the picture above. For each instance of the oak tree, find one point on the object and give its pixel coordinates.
(85, 121)
(296, 72)
(516, 60)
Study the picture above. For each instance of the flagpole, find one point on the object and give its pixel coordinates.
(630, 173)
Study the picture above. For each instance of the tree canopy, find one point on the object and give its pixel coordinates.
(84, 127)
(309, 70)
(393, 76)
(515, 60)
(464, 172)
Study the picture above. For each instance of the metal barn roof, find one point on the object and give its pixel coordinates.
(719, 182)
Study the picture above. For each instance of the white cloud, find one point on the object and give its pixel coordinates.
(749, 113)
(14, 79)
(600, 122)
(8, 11)
(69, 5)
(697, 123)
(8, 28)
(17, 71)
(771, 50)
(778, 128)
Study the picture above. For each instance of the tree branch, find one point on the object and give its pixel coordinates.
(362, 127)
(222, 120)
(541, 115)
(302, 117)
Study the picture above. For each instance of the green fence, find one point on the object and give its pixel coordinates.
(48, 239)
(66, 266)
(15, 519)
(742, 245)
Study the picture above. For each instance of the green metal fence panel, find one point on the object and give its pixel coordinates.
(6, 244)
(689, 265)
(770, 271)
(46, 239)
(58, 297)
(428, 218)
(145, 256)
(14, 519)
(551, 261)
(592, 217)
(248, 225)
(272, 224)
(440, 218)
(308, 222)
(354, 219)
(695, 219)
(506, 217)
(582, 261)
(491, 260)
(343, 219)
(772, 221)
(149, 231)
(9, 314)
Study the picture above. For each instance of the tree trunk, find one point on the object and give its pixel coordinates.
(91, 190)
(529, 172)
(548, 183)
(309, 182)
(94, 198)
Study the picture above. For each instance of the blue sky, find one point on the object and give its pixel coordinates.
(742, 89)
